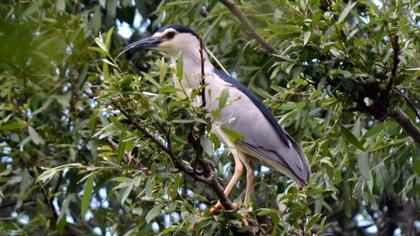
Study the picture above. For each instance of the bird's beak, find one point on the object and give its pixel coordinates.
(150, 42)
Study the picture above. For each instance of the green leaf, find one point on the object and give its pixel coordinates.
(44, 106)
(233, 134)
(168, 89)
(109, 62)
(26, 183)
(306, 37)
(60, 5)
(311, 222)
(328, 101)
(121, 146)
(96, 20)
(99, 41)
(149, 187)
(111, 8)
(64, 100)
(363, 164)
(127, 191)
(35, 6)
(168, 230)
(346, 11)
(180, 67)
(35, 136)
(223, 98)
(19, 124)
(292, 106)
(374, 130)
(379, 180)
(97, 49)
(162, 69)
(105, 70)
(108, 37)
(65, 206)
(87, 195)
(350, 137)
(153, 213)
(116, 122)
(138, 211)
(207, 145)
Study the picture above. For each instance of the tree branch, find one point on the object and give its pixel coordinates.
(246, 23)
(129, 158)
(210, 180)
(406, 123)
(409, 102)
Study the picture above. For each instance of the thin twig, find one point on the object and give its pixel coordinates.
(217, 61)
(246, 23)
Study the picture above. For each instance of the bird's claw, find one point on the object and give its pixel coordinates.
(219, 206)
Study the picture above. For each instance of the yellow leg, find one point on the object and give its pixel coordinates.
(240, 161)
(249, 182)
(239, 169)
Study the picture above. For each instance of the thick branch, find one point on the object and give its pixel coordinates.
(246, 23)
(406, 123)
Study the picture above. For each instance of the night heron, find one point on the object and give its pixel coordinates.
(264, 140)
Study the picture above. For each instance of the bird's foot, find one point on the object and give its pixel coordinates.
(219, 206)
(235, 206)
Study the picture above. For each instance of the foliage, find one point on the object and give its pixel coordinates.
(95, 143)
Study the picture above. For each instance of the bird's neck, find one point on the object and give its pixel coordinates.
(192, 65)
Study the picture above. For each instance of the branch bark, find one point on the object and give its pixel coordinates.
(409, 127)
(246, 23)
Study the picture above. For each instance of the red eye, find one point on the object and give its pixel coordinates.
(170, 35)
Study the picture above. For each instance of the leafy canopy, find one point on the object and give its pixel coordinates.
(92, 143)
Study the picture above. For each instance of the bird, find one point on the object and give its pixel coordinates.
(263, 140)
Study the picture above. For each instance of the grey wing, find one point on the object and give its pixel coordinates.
(262, 140)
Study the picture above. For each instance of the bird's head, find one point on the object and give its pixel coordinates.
(173, 40)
